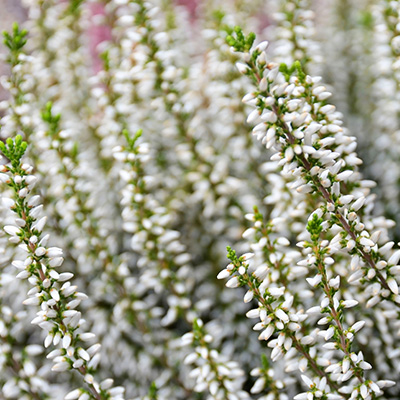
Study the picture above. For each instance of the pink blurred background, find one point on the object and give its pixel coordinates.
(12, 10)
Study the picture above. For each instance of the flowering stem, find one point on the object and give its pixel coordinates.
(58, 319)
(327, 196)
(58, 311)
(299, 347)
(344, 343)
(256, 76)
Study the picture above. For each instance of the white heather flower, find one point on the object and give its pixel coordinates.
(233, 282)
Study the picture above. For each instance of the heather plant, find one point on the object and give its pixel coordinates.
(155, 156)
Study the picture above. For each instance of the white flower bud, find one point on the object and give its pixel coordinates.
(233, 282)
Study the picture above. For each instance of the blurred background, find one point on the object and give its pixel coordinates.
(10, 11)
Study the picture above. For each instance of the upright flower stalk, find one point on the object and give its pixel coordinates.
(306, 135)
(167, 263)
(294, 35)
(222, 378)
(19, 110)
(276, 315)
(163, 265)
(52, 291)
(384, 75)
(352, 364)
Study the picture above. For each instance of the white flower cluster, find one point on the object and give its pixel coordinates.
(28, 379)
(293, 36)
(213, 372)
(162, 256)
(308, 139)
(293, 119)
(52, 291)
(385, 77)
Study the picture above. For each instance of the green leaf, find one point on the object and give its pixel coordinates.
(314, 227)
(18, 140)
(3, 148)
(238, 40)
(10, 143)
(300, 73)
(265, 362)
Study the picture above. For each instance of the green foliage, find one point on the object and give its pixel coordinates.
(238, 40)
(52, 119)
(218, 16)
(198, 331)
(232, 255)
(153, 391)
(131, 140)
(366, 19)
(314, 227)
(14, 149)
(15, 40)
(289, 71)
(300, 73)
(74, 6)
(257, 215)
(105, 56)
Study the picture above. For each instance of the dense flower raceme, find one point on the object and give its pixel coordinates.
(87, 255)
(306, 134)
(70, 200)
(384, 94)
(149, 223)
(52, 291)
(192, 112)
(293, 36)
(294, 120)
(177, 103)
(221, 377)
